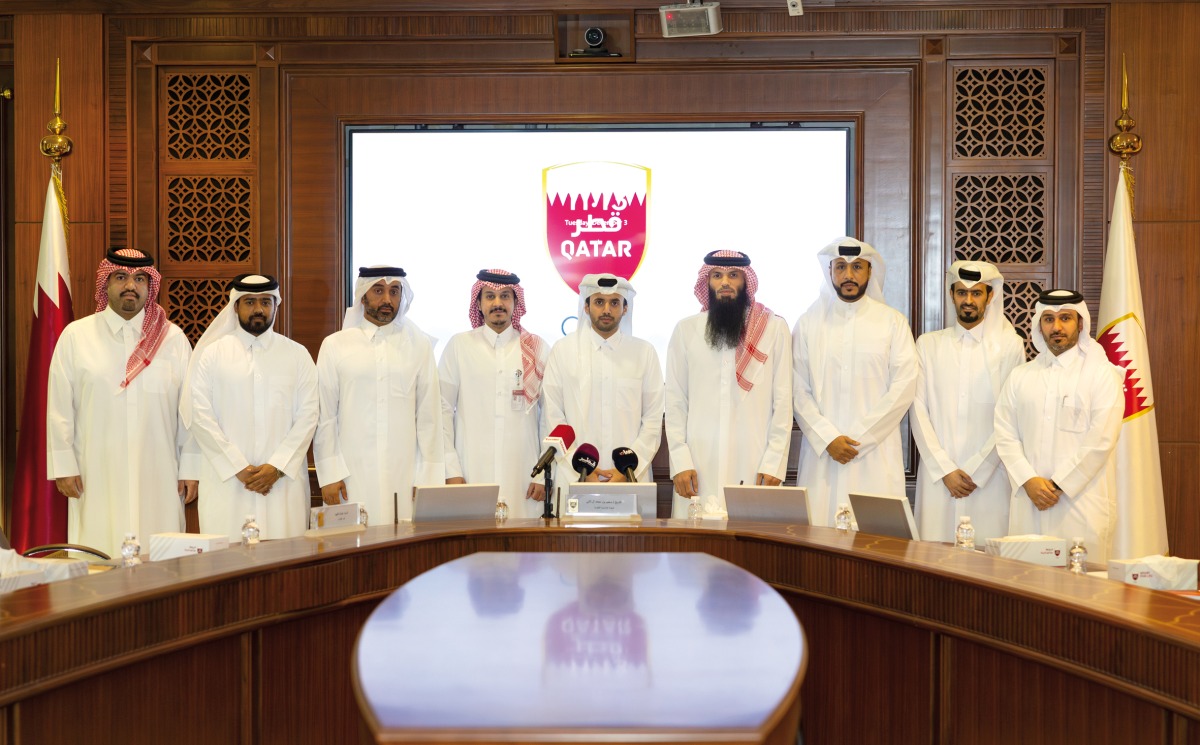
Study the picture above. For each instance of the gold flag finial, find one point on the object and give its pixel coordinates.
(1125, 143)
(56, 144)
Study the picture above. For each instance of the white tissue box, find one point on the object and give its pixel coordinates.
(1035, 549)
(59, 569)
(1140, 572)
(173, 545)
(21, 578)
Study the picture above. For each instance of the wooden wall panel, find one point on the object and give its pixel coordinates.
(983, 688)
(1164, 95)
(79, 41)
(1181, 494)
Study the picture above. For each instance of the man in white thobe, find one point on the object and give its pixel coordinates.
(728, 389)
(1057, 424)
(251, 403)
(854, 376)
(380, 432)
(960, 370)
(491, 383)
(115, 447)
(603, 382)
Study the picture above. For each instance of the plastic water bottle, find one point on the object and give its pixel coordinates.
(695, 512)
(1078, 556)
(131, 551)
(362, 514)
(250, 531)
(964, 536)
(501, 510)
(841, 520)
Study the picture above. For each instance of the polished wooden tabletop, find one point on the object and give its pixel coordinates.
(627, 641)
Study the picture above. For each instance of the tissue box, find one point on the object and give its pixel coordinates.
(58, 569)
(1035, 549)
(1140, 572)
(173, 545)
(21, 578)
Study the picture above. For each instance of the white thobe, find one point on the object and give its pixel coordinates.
(1059, 418)
(489, 438)
(125, 445)
(854, 374)
(610, 391)
(381, 417)
(254, 401)
(724, 433)
(952, 424)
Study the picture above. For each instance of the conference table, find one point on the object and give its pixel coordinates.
(581, 648)
(906, 642)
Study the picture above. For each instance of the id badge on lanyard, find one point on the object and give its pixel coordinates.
(518, 392)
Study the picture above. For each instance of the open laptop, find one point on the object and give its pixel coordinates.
(455, 502)
(884, 515)
(647, 494)
(776, 504)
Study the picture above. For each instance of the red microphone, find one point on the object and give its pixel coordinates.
(587, 457)
(560, 439)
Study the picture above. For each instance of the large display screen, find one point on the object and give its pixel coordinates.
(554, 204)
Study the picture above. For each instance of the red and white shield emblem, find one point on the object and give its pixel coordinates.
(595, 218)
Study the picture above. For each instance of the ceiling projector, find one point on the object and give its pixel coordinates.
(690, 19)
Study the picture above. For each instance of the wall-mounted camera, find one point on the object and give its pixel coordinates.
(594, 37)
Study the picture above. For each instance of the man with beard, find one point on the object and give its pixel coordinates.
(1057, 423)
(960, 371)
(251, 403)
(491, 383)
(380, 432)
(729, 388)
(604, 383)
(854, 375)
(115, 445)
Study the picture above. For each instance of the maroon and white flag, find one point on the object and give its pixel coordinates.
(1141, 525)
(39, 512)
(595, 218)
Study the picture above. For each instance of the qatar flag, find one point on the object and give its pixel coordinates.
(39, 512)
(1141, 528)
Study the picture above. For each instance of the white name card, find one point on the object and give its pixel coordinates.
(333, 518)
(610, 506)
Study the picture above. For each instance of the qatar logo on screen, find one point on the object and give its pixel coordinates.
(595, 218)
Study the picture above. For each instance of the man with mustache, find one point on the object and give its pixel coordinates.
(960, 371)
(491, 383)
(729, 388)
(1057, 423)
(605, 383)
(115, 447)
(251, 403)
(853, 378)
(380, 432)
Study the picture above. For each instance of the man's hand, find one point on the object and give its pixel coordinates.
(1042, 492)
(959, 484)
(687, 483)
(456, 480)
(69, 486)
(334, 493)
(842, 449)
(764, 480)
(260, 479)
(189, 490)
(606, 474)
(535, 491)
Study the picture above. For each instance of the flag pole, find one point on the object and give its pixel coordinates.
(38, 513)
(1125, 143)
(56, 145)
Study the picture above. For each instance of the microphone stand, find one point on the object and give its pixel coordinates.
(547, 507)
